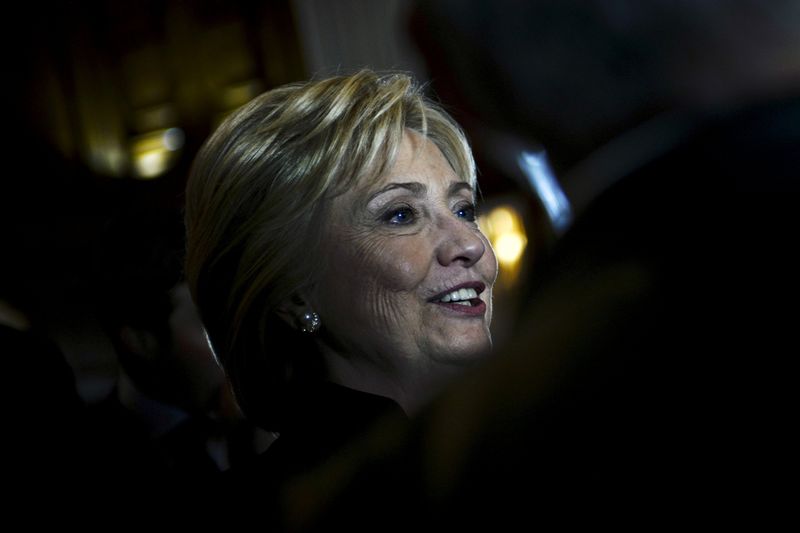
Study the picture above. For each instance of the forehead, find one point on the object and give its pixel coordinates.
(417, 159)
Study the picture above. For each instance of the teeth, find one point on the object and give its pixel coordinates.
(460, 296)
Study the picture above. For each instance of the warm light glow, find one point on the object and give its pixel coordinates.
(108, 160)
(151, 164)
(234, 96)
(502, 220)
(509, 248)
(506, 231)
(154, 153)
(155, 117)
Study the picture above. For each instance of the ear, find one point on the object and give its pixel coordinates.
(292, 309)
(139, 342)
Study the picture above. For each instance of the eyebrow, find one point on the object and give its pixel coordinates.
(458, 186)
(419, 188)
(413, 186)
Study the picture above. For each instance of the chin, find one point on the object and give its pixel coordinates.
(465, 354)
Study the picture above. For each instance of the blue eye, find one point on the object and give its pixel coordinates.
(399, 216)
(467, 212)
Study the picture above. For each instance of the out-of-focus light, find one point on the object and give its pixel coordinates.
(155, 117)
(173, 139)
(150, 164)
(154, 153)
(236, 95)
(505, 229)
(108, 160)
(509, 248)
(543, 180)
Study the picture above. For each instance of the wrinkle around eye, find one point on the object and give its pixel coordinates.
(400, 216)
(469, 213)
(469, 210)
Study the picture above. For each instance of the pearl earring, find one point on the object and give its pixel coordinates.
(310, 322)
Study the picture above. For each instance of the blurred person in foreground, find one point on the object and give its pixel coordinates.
(335, 257)
(674, 128)
(170, 425)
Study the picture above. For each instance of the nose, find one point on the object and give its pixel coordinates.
(459, 243)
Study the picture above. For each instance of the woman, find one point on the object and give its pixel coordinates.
(335, 257)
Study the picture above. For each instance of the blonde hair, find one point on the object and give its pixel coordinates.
(257, 193)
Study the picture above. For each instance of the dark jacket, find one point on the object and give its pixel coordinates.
(324, 422)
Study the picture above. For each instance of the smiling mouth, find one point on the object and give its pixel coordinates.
(463, 298)
(460, 297)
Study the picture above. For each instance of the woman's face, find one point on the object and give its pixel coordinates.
(407, 273)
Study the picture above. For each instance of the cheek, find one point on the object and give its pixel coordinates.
(377, 276)
(394, 265)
